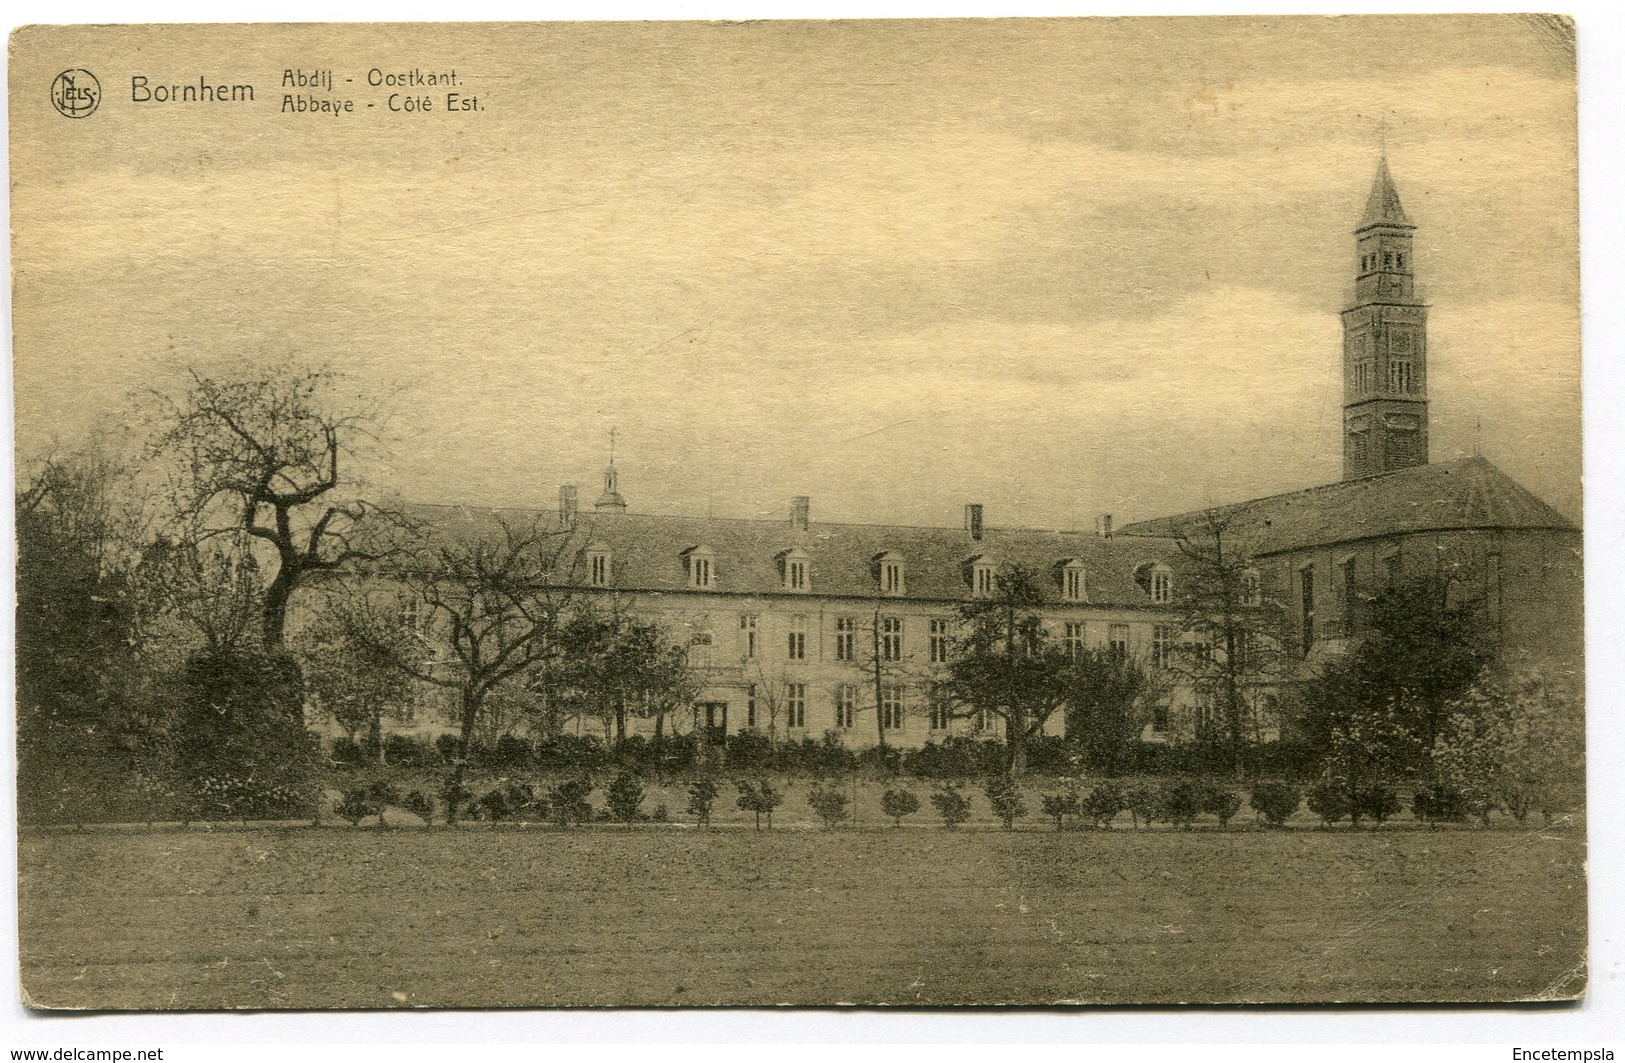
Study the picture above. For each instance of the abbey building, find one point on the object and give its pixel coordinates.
(797, 627)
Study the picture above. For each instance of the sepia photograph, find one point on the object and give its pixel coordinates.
(1003, 511)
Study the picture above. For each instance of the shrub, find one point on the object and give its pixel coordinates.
(239, 740)
(1103, 804)
(1329, 799)
(1179, 803)
(404, 751)
(898, 803)
(1275, 801)
(887, 762)
(1141, 802)
(760, 799)
(447, 745)
(523, 803)
(1376, 802)
(1052, 755)
(419, 805)
(346, 752)
(492, 805)
(625, 798)
(570, 753)
(748, 751)
(1061, 806)
(454, 796)
(701, 793)
(1005, 798)
(951, 805)
(355, 806)
(661, 814)
(956, 757)
(382, 793)
(568, 801)
(509, 753)
(1221, 801)
(829, 802)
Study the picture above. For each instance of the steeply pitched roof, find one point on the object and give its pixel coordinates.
(1383, 207)
(1466, 494)
(648, 552)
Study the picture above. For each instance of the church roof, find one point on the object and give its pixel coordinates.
(648, 553)
(1383, 207)
(1450, 496)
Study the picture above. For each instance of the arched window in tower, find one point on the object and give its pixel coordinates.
(1399, 376)
(1387, 260)
(1400, 258)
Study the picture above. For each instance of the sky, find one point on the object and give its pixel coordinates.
(1056, 267)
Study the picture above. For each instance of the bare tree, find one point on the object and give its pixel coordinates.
(491, 612)
(261, 455)
(1238, 628)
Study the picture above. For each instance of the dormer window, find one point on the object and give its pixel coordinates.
(889, 573)
(983, 577)
(1074, 581)
(600, 565)
(701, 567)
(793, 566)
(1157, 580)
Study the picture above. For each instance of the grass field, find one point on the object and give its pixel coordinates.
(302, 918)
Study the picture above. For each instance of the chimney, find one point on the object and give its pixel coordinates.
(800, 512)
(1103, 525)
(567, 505)
(973, 521)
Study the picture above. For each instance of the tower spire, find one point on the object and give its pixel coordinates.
(1385, 406)
(611, 501)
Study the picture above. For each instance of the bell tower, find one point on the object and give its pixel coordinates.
(1385, 399)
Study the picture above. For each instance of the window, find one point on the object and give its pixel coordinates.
(796, 640)
(1363, 376)
(1399, 259)
(1162, 585)
(1073, 587)
(940, 640)
(941, 713)
(1306, 583)
(846, 705)
(1117, 640)
(1392, 567)
(1163, 639)
(1399, 376)
(846, 629)
(1207, 720)
(1350, 594)
(981, 721)
(983, 581)
(1074, 639)
(889, 573)
(598, 567)
(891, 638)
(1387, 259)
(750, 705)
(793, 566)
(700, 567)
(747, 635)
(1159, 717)
(891, 708)
(1252, 588)
(795, 704)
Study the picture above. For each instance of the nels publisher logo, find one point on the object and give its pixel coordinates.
(76, 93)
